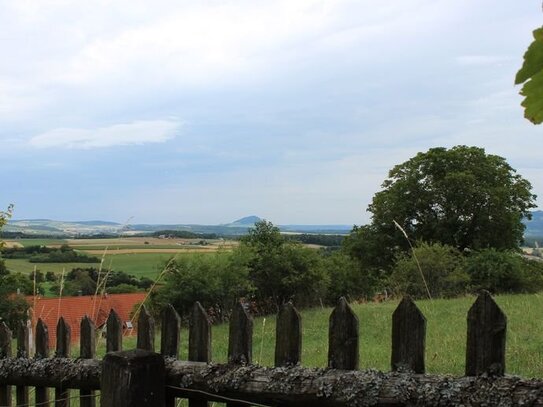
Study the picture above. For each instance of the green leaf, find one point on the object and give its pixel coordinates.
(531, 74)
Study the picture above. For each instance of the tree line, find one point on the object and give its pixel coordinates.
(446, 222)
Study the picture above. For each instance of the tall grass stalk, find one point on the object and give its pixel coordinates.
(98, 282)
(262, 341)
(159, 277)
(415, 257)
(60, 291)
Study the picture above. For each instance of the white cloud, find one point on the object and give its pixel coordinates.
(137, 132)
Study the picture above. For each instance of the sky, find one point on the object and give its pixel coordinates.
(207, 111)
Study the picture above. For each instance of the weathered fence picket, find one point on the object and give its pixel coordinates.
(343, 337)
(114, 332)
(170, 329)
(240, 339)
(199, 342)
(87, 350)
(169, 342)
(146, 330)
(5, 352)
(487, 326)
(142, 378)
(64, 338)
(42, 351)
(23, 351)
(408, 337)
(288, 336)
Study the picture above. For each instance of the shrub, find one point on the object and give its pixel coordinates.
(216, 280)
(504, 271)
(441, 265)
(348, 278)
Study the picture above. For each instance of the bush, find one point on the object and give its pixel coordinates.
(348, 278)
(441, 265)
(504, 272)
(216, 280)
(281, 270)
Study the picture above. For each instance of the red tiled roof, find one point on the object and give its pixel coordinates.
(74, 309)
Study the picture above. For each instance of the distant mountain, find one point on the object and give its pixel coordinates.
(534, 227)
(97, 227)
(246, 221)
(39, 227)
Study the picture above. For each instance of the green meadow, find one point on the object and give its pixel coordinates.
(445, 340)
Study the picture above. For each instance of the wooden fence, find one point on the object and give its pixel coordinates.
(141, 377)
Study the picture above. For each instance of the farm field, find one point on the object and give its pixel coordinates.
(445, 341)
(131, 255)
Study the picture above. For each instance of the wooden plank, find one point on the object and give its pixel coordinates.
(52, 372)
(146, 330)
(5, 352)
(87, 350)
(408, 337)
(240, 340)
(199, 342)
(114, 332)
(64, 337)
(23, 350)
(133, 378)
(170, 329)
(295, 385)
(343, 337)
(298, 386)
(288, 336)
(42, 351)
(487, 327)
(240, 336)
(199, 335)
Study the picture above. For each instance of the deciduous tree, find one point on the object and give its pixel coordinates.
(461, 197)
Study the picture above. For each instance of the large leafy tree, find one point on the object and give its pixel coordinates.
(282, 270)
(461, 197)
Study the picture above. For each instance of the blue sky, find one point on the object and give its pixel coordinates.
(207, 111)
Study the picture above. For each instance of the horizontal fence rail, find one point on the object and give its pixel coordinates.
(143, 378)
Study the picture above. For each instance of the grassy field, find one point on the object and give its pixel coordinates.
(137, 264)
(445, 343)
(38, 242)
(130, 255)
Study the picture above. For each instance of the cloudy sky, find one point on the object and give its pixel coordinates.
(207, 111)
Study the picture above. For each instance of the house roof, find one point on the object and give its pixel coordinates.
(74, 309)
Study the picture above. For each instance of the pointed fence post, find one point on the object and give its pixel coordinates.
(408, 337)
(343, 338)
(64, 337)
(146, 330)
(87, 350)
(23, 349)
(240, 336)
(240, 339)
(114, 332)
(169, 341)
(42, 351)
(5, 352)
(170, 329)
(199, 341)
(487, 326)
(288, 336)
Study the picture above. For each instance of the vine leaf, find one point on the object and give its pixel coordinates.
(531, 75)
